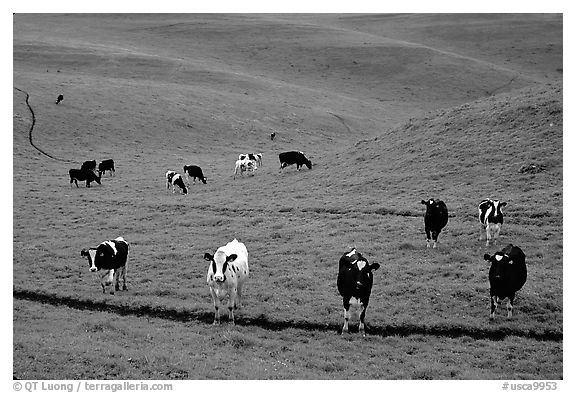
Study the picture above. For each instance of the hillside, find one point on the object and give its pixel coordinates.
(391, 109)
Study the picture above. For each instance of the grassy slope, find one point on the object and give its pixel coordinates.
(159, 93)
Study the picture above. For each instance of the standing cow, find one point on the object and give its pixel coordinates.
(491, 218)
(109, 258)
(294, 157)
(227, 273)
(194, 172)
(355, 281)
(174, 180)
(507, 276)
(81, 175)
(245, 165)
(435, 219)
(106, 165)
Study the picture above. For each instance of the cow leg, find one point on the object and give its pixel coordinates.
(435, 239)
(496, 233)
(510, 305)
(494, 301)
(87, 184)
(238, 302)
(116, 279)
(346, 304)
(488, 234)
(362, 315)
(216, 301)
(124, 288)
(232, 304)
(427, 238)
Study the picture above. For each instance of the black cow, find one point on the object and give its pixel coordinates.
(435, 219)
(109, 258)
(491, 217)
(194, 172)
(59, 99)
(507, 276)
(355, 281)
(81, 175)
(272, 136)
(106, 165)
(294, 157)
(89, 165)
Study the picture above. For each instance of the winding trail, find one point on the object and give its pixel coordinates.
(32, 129)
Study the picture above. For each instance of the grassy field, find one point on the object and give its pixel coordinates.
(392, 109)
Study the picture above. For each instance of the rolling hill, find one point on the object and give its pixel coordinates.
(391, 109)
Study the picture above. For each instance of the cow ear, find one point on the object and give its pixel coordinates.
(502, 204)
(487, 257)
(84, 253)
(208, 257)
(231, 257)
(375, 266)
(423, 202)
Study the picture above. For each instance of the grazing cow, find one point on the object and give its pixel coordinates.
(89, 166)
(272, 136)
(59, 99)
(355, 281)
(227, 273)
(242, 166)
(254, 157)
(106, 165)
(194, 172)
(109, 258)
(82, 174)
(175, 179)
(507, 276)
(294, 157)
(435, 219)
(491, 218)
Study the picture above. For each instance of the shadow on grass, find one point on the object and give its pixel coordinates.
(264, 322)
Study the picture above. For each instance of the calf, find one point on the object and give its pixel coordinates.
(227, 273)
(59, 99)
(109, 258)
(83, 174)
(242, 166)
(294, 157)
(435, 219)
(89, 165)
(106, 165)
(507, 276)
(194, 172)
(355, 281)
(272, 136)
(175, 179)
(491, 218)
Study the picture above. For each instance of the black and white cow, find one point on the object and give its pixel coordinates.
(109, 258)
(294, 157)
(89, 166)
(272, 136)
(355, 282)
(106, 165)
(255, 157)
(175, 179)
(194, 172)
(81, 175)
(59, 99)
(227, 273)
(491, 217)
(435, 219)
(245, 165)
(507, 276)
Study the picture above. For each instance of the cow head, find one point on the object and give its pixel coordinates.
(90, 253)
(219, 264)
(500, 264)
(358, 271)
(106, 251)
